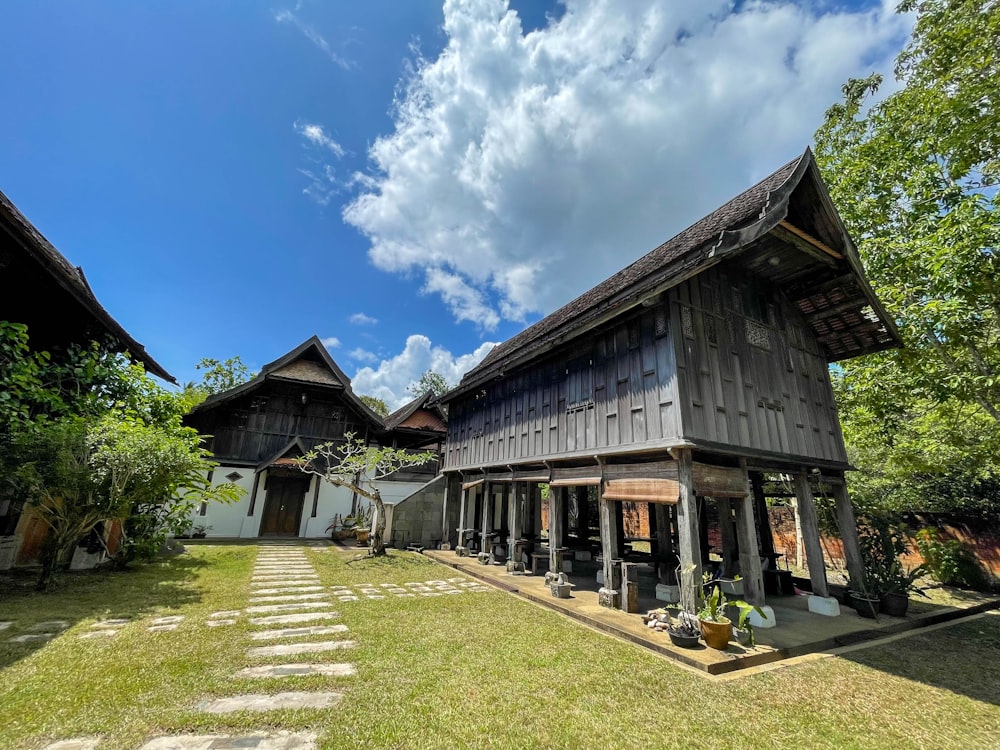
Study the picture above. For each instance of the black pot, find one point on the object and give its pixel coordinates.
(895, 605)
(866, 607)
(684, 641)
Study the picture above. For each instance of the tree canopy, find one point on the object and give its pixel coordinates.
(914, 175)
(376, 404)
(430, 381)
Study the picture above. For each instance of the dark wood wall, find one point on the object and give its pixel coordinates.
(720, 359)
(253, 428)
(750, 370)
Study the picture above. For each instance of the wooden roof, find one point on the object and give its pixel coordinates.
(309, 363)
(790, 209)
(23, 250)
(422, 413)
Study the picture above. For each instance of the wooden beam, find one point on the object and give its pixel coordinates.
(810, 534)
(789, 239)
(849, 533)
(557, 519)
(763, 518)
(609, 538)
(727, 531)
(664, 542)
(688, 536)
(809, 240)
(746, 532)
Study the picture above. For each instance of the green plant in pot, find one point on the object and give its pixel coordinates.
(866, 595)
(899, 583)
(684, 630)
(716, 628)
(743, 630)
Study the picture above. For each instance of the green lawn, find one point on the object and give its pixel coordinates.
(471, 670)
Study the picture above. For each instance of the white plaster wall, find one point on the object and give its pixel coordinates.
(333, 500)
(227, 520)
(393, 492)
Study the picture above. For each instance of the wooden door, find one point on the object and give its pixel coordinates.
(283, 508)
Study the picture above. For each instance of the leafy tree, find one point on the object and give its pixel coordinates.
(915, 177)
(376, 404)
(429, 381)
(357, 466)
(221, 376)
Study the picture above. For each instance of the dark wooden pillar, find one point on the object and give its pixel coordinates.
(487, 516)
(452, 499)
(849, 533)
(664, 542)
(516, 516)
(688, 539)
(728, 533)
(558, 497)
(609, 522)
(582, 515)
(810, 534)
(461, 520)
(763, 518)
(618, 508)
(746, 534)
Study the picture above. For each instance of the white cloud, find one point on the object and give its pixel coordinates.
(330, 342)
(316, 135)
(360, 319)
(323, 180)
(310, 33)
(388, 381)
(363, 355)
(524, 169)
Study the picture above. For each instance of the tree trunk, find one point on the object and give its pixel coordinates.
(376, 544)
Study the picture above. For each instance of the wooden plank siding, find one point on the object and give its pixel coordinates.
(720, 359)
(750, 372)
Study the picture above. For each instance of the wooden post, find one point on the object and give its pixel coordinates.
(486, 517)
(536, 512)
(849, 533)
(688, 537)
(750, 568)
(763, 519)
(810, 534)
(461, 520)
(515, 514)
(582, 516)
(728, 534)
(609, 537)
(557, 516)
(664, 542)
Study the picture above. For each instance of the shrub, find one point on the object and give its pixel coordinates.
(952, 561)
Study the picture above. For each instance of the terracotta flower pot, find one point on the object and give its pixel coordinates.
(716, 634)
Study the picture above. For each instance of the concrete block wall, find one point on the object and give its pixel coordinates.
(418, 517)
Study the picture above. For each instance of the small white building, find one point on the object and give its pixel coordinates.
(259, 428)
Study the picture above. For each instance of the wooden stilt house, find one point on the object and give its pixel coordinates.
(681, 381)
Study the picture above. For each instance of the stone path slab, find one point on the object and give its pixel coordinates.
(274, 702)
(49, 626)
(288, 589)
(270, 635)
(108, 633)
(226, 613)
(219, 623)
(289, 619)
(79, 743)
(279, 741)
(114, 622)
(6, 624)
(29, 637)
(168, 620)
(285, 577)
(288, 649)
(286, 598)
(298, 670)
(287, 607)
(162, 628)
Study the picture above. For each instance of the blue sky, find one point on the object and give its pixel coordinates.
(410, 181)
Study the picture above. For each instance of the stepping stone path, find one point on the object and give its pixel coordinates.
(361, 591)
(285, 590)
(161, 624)
(40, 631)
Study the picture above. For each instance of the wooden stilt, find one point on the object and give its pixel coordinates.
(849, 533)
(763, 518)
(810, 534)
(746, 533)
(688, 538)
(609, 542)
(728, 534)
(664, 543)
(557, 517)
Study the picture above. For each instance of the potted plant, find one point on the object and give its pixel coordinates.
(684, 630)
(898, 584)
(866, 595)
(716, 628)
(743, 630)
(200, 531)
(184, 529)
